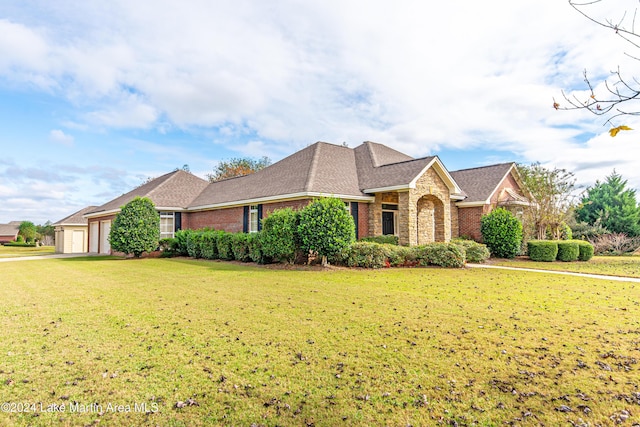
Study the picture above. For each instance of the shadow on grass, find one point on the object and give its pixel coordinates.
(92, 258)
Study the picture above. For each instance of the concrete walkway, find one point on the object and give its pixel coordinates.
(564, 273)
(38, 257)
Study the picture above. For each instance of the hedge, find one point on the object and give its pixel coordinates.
(21, 244)
(474, 252)
(586, 250)
(387, 239)
(365, 254)
(240, 247)
(542, 250)
(568, 251)
(441, 254)
(225, 248)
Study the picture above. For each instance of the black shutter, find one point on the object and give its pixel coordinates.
(245, 220)
(354, 214)
(259, 217)
(177, 221)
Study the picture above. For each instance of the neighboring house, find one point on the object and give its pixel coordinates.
(71, 233)
(9, 232)
(486, 188)
(386, 192)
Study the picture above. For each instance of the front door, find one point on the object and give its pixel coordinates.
(388, 226)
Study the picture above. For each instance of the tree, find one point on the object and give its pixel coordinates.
(502, 233)
(46, 233)
(326, 227)
(237, 166)
(611, 205)
(136, 229)
(28, 231)
(551, 190)
(619, 95)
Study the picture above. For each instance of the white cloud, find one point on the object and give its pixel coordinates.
(60, 137)
(271, 77)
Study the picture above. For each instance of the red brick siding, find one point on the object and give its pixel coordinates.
(229, 219)
(469, 222)
(363, 220)
(267, 208)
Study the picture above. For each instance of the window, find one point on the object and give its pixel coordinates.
(253, 219)
(166, 225)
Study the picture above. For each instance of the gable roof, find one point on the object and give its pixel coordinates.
(381, 168)
(76, 218)
(174, 190)
(480, 183)
(319, 169)
(10, 229)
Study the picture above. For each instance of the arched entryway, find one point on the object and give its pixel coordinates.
(430, 219)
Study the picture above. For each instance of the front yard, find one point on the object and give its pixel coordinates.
(180, 342)
(625, 266)
(17, 251)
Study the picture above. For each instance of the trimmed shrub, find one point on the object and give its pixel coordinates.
(502, 233)
(19, 239)
(568, 251)
(21, 244)
(586, 250)
(225, 248)
(181, 238)
(388, 239)
(542, 250)
(194, 244)
(256, 248)
(209, 244)
(441, 254)
(279, 237)
(326, 227)
(474, 252)
(136, 228)
(240, 247)
(399, 256)
(366, 255)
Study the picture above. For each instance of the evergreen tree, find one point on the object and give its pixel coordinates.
(136, 229)
(611, 205)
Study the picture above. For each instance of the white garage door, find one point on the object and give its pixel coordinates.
(77, 243)
(93, 237)
(105, 229)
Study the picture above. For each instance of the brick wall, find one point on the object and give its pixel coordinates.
(469, 222)
(229, 219)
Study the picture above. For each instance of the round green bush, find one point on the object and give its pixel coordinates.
(542, 250)
(586, 250)
(366, 255)
(441, 254)
(502, 233)
(568, 251)
(136, 228)
(279, 234)
(474, 252)
(326, 227)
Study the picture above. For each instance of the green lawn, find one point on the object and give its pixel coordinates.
(17, 251)
(626, 266)
(243, 345)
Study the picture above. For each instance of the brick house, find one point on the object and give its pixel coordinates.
(386, 191)
(9, 232)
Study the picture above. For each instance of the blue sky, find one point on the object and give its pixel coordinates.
(97, 96)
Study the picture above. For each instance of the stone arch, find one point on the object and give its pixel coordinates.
(430, 220)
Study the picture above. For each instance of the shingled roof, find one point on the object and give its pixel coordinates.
(76, 218)
(320, 168)
(176, 189)
(479, 183)
(10, 229)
